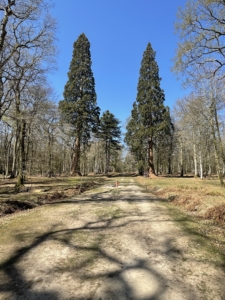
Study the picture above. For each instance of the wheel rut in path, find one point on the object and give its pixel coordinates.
(109, 243)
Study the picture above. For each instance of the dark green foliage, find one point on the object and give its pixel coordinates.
(150, 97)
(79, 107)
(109, 132)
(109, 129)
(150, 119)
(134, 139)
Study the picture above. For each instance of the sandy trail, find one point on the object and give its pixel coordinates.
(115, 243)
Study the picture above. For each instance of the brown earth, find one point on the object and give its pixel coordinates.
(14, 199)
(109, 243)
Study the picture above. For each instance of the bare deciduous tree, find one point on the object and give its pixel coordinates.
(25, 26)
(200, 26)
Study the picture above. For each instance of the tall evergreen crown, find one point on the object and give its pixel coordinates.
(79, 105)
(80, 76)
(150, 97)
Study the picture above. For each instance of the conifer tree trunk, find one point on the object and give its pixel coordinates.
(75, 167)
(157, 166)
(107, 156)
(170, 157)
(169, 166)
(151, 162)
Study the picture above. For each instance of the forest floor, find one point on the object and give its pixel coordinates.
(109, 243)
(42, 190)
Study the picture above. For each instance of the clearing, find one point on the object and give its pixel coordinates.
(108, 243)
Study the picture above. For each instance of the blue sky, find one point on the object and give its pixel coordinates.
(118, 31)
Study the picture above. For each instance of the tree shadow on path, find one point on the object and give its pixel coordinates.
(119, 281)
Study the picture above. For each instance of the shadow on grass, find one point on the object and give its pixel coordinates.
(198, 232)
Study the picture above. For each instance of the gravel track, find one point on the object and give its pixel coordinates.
(115, 243)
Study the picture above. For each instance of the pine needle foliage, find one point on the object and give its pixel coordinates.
(149, 117)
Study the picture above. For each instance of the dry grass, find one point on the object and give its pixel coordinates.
(204, 198)
(202, 201)
(39, 190)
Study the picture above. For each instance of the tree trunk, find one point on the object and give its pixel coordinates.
(150, 159)
(22, 163)
(181, 160)
(157, 163)
(50, 172)
(200, 165)
(169, 166)
(219, 154)
(1, 96)
(31, 159)
(170, 157)
(106, 158)
(7, 153)
(15, 149)
(75, 167)
(195, 161)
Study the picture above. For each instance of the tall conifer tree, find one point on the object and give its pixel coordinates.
(134, 139)
(149, 115)
(109, 132)
(79, 107)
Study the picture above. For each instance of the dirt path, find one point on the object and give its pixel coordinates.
(107, 244)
